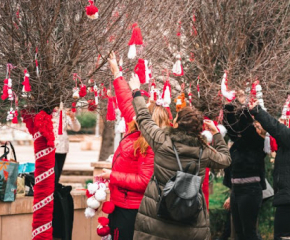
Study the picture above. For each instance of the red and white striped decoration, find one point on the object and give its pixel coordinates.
(40, 127)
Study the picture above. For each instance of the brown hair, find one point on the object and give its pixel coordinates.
(160, 117)
(190, 120)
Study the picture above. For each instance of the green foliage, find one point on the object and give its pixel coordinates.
(87, 119)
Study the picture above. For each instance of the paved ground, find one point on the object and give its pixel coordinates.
(77, 159)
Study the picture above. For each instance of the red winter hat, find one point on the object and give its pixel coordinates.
(140, 70)
(124, 99)
(108, 207)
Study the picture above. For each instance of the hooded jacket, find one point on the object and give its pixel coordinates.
(148, 226)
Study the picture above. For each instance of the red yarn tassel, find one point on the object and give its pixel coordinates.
(5, 90)
(140, 70)
(15, 118)
(92, 10)
(136, 37)
(26, 84)
(60, 119)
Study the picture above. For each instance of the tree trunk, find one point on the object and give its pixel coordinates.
(107, 147)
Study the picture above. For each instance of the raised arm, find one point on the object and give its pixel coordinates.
(220, 158)
(276, 129)
(153, 134)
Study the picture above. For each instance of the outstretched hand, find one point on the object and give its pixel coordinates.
(210, 126)
(253, 104)
(113, 64)
(134, 82)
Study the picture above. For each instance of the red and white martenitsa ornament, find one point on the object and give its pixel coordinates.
(257, 93)
(13, 114)
(79, 92)
(92, 11)
(26, 85)
(96, 193)
(96, 94)
(121, 66)
(153, 92)
(136, 39)
(286, 112)
(166, 96)
(177, 67)
(229, 95)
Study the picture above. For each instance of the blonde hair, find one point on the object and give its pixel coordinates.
(159, 116)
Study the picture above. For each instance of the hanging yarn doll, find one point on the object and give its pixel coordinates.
(92, 10)
(153, 91)
(286, 112)
(7, 88)
(142, 70)
(177, 67)
(166, 96)
(229, 95)
(96, 94)
(136, 39)
(257, 93)
(13, 114)
(26, 85)
(190, 96)
(111, 107)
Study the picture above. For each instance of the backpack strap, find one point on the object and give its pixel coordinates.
(177, 157)
(198, 166)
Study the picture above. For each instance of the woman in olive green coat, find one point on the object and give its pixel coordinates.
(186, 136)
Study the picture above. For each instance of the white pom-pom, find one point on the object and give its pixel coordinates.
(208, 136)
(223, 131)
(132, 52)
(93, 203)
(101, 195)
(89, 212)
(258, 88)
(93, 187)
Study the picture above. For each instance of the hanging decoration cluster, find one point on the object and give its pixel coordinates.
(97, 196)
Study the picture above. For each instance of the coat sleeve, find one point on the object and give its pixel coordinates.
(135, 181)
(276, 129)
(153, 134)
(124, 98)
(74, 125)
(220, 158)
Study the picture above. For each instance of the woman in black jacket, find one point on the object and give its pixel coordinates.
(248, 170)
(281, 169)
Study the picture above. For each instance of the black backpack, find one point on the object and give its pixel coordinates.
(181, 198)
(63, 213)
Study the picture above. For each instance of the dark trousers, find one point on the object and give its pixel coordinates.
(122, 223)
(59, 162)
(282, 222)
(246, 200)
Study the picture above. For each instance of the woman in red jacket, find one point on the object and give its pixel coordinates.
(132, 165)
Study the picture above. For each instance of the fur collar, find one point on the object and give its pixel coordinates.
(180, 136)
